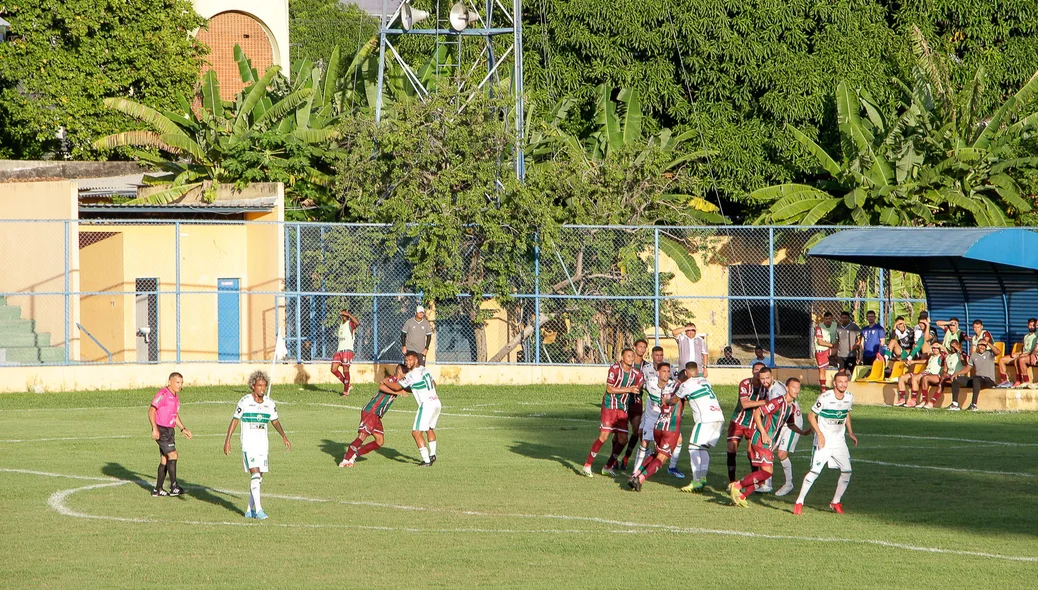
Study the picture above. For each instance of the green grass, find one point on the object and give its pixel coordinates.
(502, 507)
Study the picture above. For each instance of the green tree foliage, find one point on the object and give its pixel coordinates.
(265, 135)
(318, 26)
(62, 58)
(753, 66)
(941, 161)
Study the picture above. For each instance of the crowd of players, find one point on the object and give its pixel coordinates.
(650, 396)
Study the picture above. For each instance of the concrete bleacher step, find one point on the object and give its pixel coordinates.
(22, 355)
(21, 340)
(52, 355)
(17, 326)
(8, 312)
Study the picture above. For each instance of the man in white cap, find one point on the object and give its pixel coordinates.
(416, 335)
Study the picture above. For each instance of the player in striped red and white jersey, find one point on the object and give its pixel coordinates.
(371, 419)
(623, 381)
(751, 395)
(667, 433)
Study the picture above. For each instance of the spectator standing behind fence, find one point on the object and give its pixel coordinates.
(871, 340)
(691, 347)
(727, 359)
(343, 357)
(758, 357)
(847, 333)
(416, 335)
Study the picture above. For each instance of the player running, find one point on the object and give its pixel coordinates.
(830, 417)
(623, 381)
(371, 419)
(770, 420)
(709, 419)
(164, 415)
(667, 432)
(344, 352)
(255, 411)
(635, 405)
(421, 384)
(657, 384)
(751, 395)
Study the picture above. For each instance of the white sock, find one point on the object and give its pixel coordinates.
(805, 487)
(696, 462)
(252, 504)
(254, 492)
(787, 470)
(841, 486)
(432, 447)
(674, 457)
(639, 458)
(424, 452)
(767, 484)
(704, 463)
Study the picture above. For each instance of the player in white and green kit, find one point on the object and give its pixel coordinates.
(658, 383)
(422, 386)
(255, 411)
(710, 421)
(830, 417)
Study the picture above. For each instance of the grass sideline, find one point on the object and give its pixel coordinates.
(502, 507)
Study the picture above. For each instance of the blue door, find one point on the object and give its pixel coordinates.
(228, 318)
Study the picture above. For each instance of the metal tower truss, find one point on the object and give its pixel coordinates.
(455, 29)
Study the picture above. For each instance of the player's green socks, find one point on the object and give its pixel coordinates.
(432, 447)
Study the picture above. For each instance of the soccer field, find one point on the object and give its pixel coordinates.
(938, 499)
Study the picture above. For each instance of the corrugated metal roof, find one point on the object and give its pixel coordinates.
(123, 186)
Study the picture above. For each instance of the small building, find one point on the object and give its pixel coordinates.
(81, 285)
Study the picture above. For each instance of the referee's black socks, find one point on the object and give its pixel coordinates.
(162, 476)
(171, 468)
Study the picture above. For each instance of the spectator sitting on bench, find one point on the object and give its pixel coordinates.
(1023, 360)
(902, 339)
(982, 361)
(979, 333)
(909, 382)
(871, 339)
(930, 377)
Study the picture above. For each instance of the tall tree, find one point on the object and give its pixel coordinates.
(317, 26)
(62, 58)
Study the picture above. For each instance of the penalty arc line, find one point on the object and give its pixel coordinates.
(58, 499)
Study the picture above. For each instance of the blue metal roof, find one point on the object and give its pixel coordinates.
(990, 274)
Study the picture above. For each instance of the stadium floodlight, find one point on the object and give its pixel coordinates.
(461, 17)
(409, 16)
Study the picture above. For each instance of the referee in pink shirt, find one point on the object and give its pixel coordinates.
(164, 415)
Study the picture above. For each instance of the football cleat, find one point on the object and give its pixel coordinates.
(973, 408)
(798, 509)
(157, 493)
(347, 463)
(586, 472)
(910, 403)
(609, 471)
(250, 514)
(837, 507)
(425, 464)
(786, 489)
(954, 407)
(735, 493)
(900, 402)
(764, 489)
(695, 486)
(674, 471)
(634, 483)
(740, 501)
(260, 515)
(432, 459)
(176, 491)
(1004, 385)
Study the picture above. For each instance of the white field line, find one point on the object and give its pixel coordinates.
(951, 469)
(142, 406)
(58, 499)
(111, 437)
(965, 440)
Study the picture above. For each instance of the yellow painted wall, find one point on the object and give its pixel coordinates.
(104, 315)
(266, 273)
(32, 255)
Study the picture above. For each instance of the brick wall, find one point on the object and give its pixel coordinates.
(225, 30)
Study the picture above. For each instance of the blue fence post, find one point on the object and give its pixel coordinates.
(882, 302)
(771, 292)
(655, 321)
(177, 286)
(299, 299)
(68, 300)
(537, 297)
(374, 315)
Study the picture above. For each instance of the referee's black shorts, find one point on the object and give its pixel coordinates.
(167, 440)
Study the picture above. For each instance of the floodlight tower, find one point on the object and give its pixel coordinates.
(461, 24)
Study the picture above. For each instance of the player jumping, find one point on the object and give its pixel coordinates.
(830, 417)
(623, 381)
(371, 419)
(255, 411)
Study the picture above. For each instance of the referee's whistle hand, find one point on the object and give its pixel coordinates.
(154, 434)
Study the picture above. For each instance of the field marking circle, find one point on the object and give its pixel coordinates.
(58, 499)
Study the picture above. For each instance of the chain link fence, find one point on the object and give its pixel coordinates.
(121, 291)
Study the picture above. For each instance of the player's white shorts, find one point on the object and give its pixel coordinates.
(648, 424)
(705, 435)
(787, 442)
(252, 460)
(835, 457)
(427, 415)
